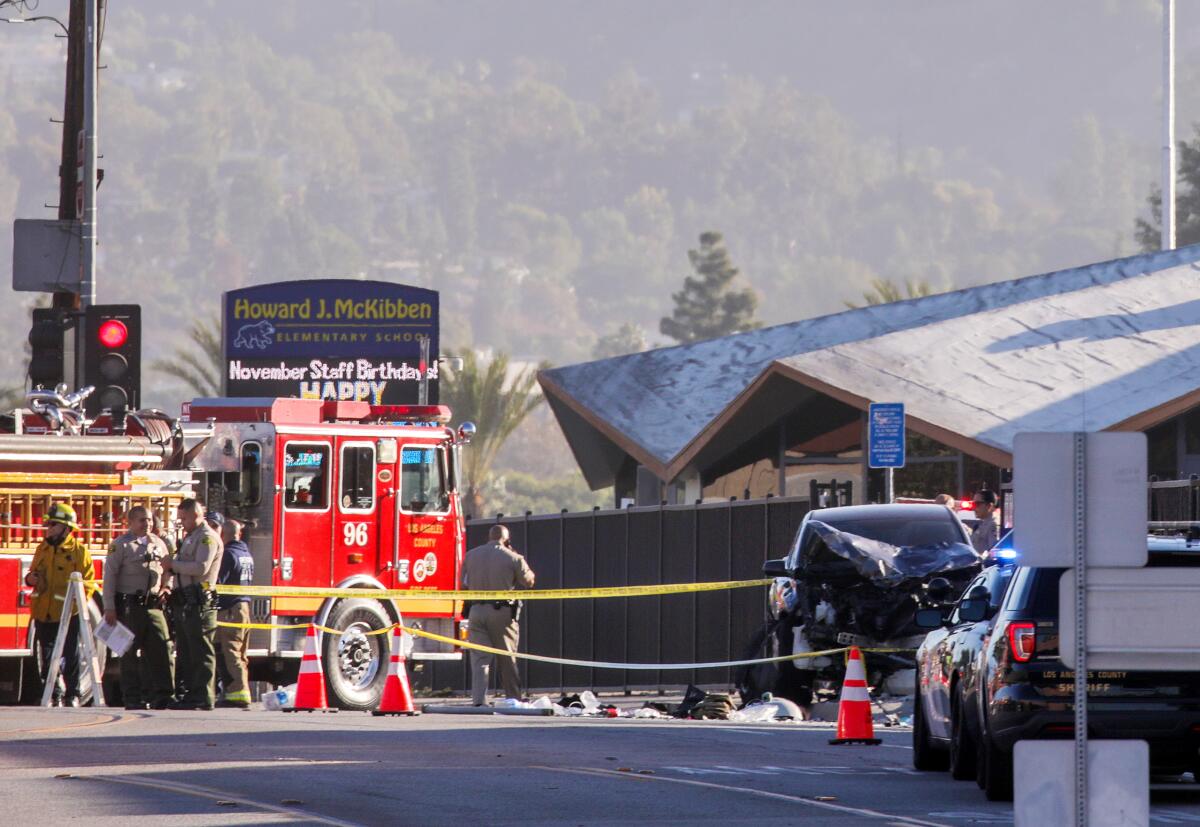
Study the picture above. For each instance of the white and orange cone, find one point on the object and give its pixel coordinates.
(310, 688)
(854, 710)
(397, 696)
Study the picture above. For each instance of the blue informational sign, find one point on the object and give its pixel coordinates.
(330, 339)
(885, 435)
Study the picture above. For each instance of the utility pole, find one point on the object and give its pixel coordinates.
(91, 68)
(1168, 147)
(78, 172)
(68, 177)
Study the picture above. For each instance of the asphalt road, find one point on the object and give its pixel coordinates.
(258, 767)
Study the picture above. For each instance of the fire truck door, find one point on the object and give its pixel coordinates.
(356, 529)
(307, 519)
(12, 620)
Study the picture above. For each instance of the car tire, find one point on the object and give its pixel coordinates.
(356, 663)
(996, 770)
(963, 750)
(926, 757)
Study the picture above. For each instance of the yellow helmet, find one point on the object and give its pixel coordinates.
(62, 513)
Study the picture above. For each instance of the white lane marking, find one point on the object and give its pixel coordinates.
(978, 816)
(135, 769)
(792, 799)
(218, 795)
(769, 769)
(746, 770)
(895, 746)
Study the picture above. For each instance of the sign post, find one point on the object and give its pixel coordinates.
(885, 438)
(1080, 501)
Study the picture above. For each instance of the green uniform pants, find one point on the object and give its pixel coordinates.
(197, 628)
(146, 665)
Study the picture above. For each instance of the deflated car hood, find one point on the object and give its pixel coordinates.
(879, 562)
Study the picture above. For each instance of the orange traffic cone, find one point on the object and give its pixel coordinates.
(854, 710)
(310, 688)
(397, 696)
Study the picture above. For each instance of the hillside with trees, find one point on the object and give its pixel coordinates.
(546, 166)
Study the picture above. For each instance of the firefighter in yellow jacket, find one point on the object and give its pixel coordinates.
(56, 559)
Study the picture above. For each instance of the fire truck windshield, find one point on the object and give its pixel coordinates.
(423, 479)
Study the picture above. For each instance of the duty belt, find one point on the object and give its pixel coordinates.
(150, 601)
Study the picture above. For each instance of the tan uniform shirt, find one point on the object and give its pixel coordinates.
(127, 569)
(492, 567)
(199, 557)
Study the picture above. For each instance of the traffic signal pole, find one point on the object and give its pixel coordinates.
(87, 175)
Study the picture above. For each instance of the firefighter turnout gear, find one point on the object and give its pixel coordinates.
(195, 567)
(53, 565)
(133, 579)
(62, 513)
(54, 561)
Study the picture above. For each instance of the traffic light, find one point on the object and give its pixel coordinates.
(113, 356)
(46, 347)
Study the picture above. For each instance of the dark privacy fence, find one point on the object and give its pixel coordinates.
(667, 544)
(1175, 500)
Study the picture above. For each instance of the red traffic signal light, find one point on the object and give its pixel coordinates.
(112, 333)
(113, 356)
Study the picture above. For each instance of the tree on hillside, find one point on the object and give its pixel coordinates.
(1187, 202)
(628, 338)
(497, 403)
(885, 292)
(200, 366)
(710, 304)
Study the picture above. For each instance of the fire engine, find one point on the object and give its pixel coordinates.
(332, 493)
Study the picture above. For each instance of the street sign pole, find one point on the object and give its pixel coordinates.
(1080, 501)
(1080, 469)
(885, 442)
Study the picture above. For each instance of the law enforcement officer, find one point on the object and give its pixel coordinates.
(237, 569)
(195, 568)
(60, 554)
(133, 591)
(495, 566)
(985, 534)
(159, 530)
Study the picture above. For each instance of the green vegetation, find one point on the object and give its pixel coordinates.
(884, 292)
(710, 303)
(497, 400)
(198, 363)
(548, 183)
(1187, 201)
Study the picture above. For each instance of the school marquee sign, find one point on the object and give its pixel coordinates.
(330, 339)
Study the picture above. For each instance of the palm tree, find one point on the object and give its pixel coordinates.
(885, 292)
(496, 403)
(199, 367)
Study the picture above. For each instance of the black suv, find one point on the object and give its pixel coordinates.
(1022, 690)
(945, 725)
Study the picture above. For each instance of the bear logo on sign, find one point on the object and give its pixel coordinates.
(255, 336)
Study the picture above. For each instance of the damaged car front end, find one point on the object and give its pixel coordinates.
(855, 576)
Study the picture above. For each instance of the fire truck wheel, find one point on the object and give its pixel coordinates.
(355, 663)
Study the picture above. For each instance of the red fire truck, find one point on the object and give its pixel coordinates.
(333, 494)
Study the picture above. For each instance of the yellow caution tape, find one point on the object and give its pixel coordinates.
(591, 664)
(543, 594)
